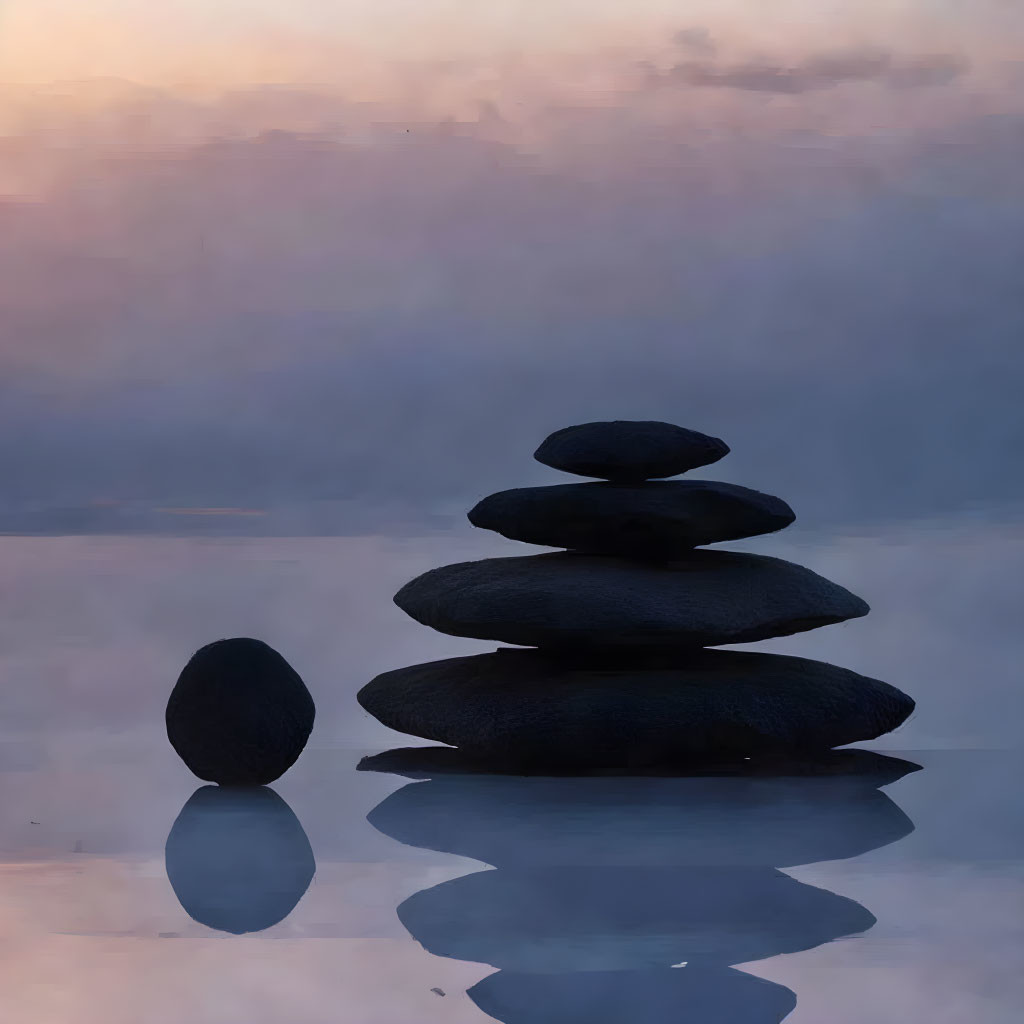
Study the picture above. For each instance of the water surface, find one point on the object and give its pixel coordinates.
(596, 888)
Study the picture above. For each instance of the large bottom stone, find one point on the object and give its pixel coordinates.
(529, 708)
(854, 765)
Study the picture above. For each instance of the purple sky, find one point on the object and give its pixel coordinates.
(390, 284)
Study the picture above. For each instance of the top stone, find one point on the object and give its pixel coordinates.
(629, 451)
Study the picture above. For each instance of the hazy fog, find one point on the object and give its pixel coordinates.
(388, 279)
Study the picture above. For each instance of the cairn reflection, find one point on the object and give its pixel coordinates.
(707, 996)
(633, 898)
(238, 859)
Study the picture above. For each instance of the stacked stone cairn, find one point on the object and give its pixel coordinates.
(612, 669)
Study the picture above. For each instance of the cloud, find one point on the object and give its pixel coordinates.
(813, 72)
(391, 315)
(696, 41)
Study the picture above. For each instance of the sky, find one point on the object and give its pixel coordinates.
(256, 253)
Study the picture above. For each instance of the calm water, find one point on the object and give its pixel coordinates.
(873, 898)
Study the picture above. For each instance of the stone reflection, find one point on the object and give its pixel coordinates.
(706, 996)
(616, 899)
(238, 859)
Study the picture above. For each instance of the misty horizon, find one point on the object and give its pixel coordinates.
(388, 289)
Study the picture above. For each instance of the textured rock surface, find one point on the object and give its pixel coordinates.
(527, 708)
(629, 451)
(567, 599)
(549, 920)
(239, 714)
(662, 519)
(665, 996)
(238, 859)
(522, 822)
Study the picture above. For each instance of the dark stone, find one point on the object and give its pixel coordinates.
(867, 767)
(690, 995)
(239, 714)
(527, 708)
(657, 822)
(238, 859)
(652, 520)
(554, 919)
(628, 451)
(704, 599)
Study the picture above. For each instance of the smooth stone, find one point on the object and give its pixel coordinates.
(549, 920)
(704, 599)
(658, 822)
(628, 451)
(238, 859)
(239, 714)
(690, 995)
(527, 708)
(660, 520)
(853, 765)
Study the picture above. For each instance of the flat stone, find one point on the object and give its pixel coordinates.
(628, 451)
(555, 920)
(239, 714)
(852, 766)
(704, 599)
(524, 707)
(648, 520)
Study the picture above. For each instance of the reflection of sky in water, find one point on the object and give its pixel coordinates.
(96, 629)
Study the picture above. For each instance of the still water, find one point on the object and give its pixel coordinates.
(892, 891)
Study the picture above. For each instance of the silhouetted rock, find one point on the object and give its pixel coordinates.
(566, 599)
(527, 708)
(628, 451)
(690, 995)
(725, 821)
(238, 859)
(652, 520)
(859, 767)
(552, 920)
(239, 714)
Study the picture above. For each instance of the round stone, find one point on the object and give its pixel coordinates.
(239, 714)
(628, 451)
(703, 599)
(650, 520)
(526, 708)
